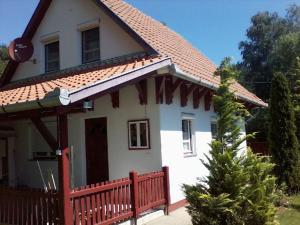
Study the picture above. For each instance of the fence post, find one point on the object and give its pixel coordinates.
(134, 194)
(167, 188)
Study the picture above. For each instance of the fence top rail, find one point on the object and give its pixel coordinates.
(76, 193)
(27, 192)
(150, 176)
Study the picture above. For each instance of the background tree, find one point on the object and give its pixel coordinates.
(257, 51)
(4, 57)
(238, 189)
(282, 134)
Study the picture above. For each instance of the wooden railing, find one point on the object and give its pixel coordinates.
(118, 200)
(99, 204)
(28, 207)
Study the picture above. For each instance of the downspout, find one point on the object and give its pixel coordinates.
(57, 97)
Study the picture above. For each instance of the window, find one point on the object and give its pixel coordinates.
(214, 129)
(138, 134)
(187, 136)
(52, 57)
(90, 45)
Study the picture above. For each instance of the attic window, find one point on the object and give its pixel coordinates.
(90, 45)
(52, 57)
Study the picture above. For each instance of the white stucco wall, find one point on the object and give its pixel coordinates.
(121, 160)
(183, 170)
(64, 20)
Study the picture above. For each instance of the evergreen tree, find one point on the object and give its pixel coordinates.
(238, 189)
(282, 134)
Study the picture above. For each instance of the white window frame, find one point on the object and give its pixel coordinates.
(137, 123)
(191, 141)
(83, 51)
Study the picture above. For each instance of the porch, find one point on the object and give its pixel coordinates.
(102, 203)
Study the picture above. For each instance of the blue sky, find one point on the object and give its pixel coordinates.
(213, 26)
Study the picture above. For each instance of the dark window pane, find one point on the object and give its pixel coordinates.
(143, 134)
(133, 135)
(185, 130)
(52, 57)
(90, 45)
(214, 130)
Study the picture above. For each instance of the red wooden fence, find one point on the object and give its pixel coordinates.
(118, 200)
(28, 207)
(99, 204)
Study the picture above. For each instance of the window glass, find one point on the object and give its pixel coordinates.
(143, 134)
(187, 136)
(133, 134)
(214, 129)
(90, 45)
(52, 57)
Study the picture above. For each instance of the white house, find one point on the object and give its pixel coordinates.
(135, 95)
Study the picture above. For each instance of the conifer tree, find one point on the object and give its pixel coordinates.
(238, 189)
(282, 134)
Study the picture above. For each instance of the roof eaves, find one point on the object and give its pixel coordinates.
(176, 71)
(117, 81)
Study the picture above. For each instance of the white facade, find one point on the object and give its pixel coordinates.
(64, 21)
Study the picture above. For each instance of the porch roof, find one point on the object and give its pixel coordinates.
(74, 84)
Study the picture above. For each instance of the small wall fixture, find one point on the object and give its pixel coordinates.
(88, 104)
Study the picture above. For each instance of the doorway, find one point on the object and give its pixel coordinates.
(96, 150)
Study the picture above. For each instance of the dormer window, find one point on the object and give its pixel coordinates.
(90, 45)
(52, 57)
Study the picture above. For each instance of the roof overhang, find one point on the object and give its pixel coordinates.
(176, 71)
(63, 97)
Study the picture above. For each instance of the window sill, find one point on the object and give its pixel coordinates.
(189, 155)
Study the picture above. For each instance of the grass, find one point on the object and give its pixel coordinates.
(290, 215)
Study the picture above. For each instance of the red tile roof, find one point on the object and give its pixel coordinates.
(169, 43)
(36, 88)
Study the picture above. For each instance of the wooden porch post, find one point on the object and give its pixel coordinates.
(63, 170)
(167, 188)
(134, 195)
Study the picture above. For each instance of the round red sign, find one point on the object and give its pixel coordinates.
(20, 50)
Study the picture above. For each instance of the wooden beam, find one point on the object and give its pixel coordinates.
(170, 88)
(64, 170)
(159, 87)
(185, 91)
(197, 95)
(208, 100)
(46, 134)
(142, 89)
(115, 99)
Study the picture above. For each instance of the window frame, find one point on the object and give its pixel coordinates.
(83, 51)
(138, 122)
(192, 140)
(46, 56)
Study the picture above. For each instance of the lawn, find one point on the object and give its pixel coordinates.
(290, 215)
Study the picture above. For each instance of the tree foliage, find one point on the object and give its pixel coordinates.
(4, 57)
(238, 189)
(258, 50)
(282, 135)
